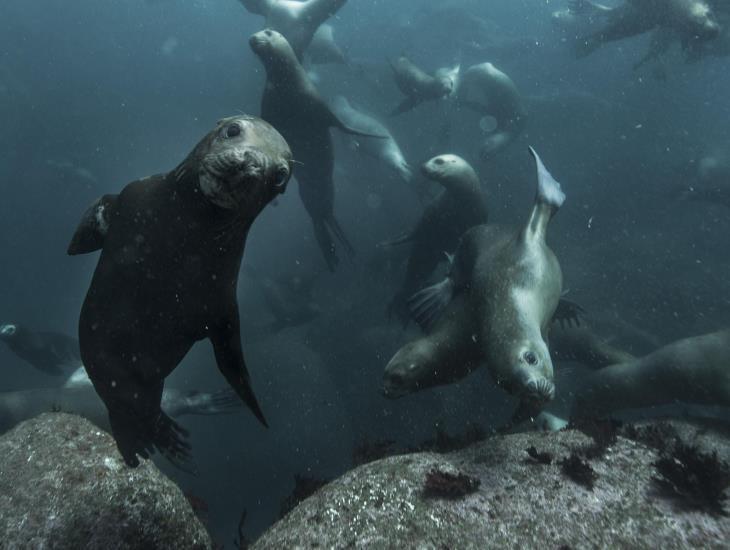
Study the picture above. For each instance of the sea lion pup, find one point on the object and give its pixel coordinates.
(78, 397)
(323, 48)
(50, 352)
(293, 105)
(460, 206)
(693, 370)
(167, 278)
(490, 92)
(297, 20)
(419, 86)
(385, 150)
(493, 309)
(693, 20)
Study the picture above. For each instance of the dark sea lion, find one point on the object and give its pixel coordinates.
(490, 92)
(693, 20)
(419, 86)
(80, 398)
(459, 207)
(167, 278)
(49, 352)
(297, 20)
(493, 309)
(693, 370)
(293, 105)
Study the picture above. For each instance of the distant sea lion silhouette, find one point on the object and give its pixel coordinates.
(293, 105)
(419, 86)
(167, 275)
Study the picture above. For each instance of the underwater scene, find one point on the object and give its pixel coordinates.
(364, 274)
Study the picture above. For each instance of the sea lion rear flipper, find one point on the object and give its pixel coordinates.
(427, 305)
(548, 200)
(92, 229)
(568, 313)
(226, 342)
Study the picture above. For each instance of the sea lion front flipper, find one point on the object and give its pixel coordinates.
(226, 342)
(94, 225)
(427, 305)
(568, 313)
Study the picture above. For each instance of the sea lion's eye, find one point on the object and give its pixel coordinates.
(281, 177)
(233, 130)
(530, 358)
(439, 161)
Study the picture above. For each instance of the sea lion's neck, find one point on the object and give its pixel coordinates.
(284, 70)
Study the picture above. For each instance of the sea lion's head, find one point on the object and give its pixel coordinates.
(451, 171)
(242, 164)
(416, 366)
(524, 369)
(270, 45)
(8, 331)
(447, 78)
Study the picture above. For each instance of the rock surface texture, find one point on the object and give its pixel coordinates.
(64, 485)
(513, 501)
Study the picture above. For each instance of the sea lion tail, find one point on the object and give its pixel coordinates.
(548, 189)
(427, 305)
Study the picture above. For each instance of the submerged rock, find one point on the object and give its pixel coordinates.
(64, 485)
(518, 502)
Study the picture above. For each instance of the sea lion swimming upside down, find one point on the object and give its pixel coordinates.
(171, 249)
(493, 309)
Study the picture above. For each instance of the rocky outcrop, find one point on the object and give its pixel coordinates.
(64, 485)
(568, 491)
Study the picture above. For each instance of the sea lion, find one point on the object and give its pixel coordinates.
(460, 206)
(385, 150)
(693, 20)
(419, 86)
(293, 105)
(490, 92)
(494, 309)
(323, 48)
(297, 20)
(80, 398)
(50, 352)
(580, 343)
(167, 278)
(693, 370)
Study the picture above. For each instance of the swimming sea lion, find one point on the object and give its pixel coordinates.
(293, 105)
(167, 278)
(693, 20)
(493, 309)
(580, 343)
(419, 86)
(50, 352)
(297, 20)
(490, 92)
(459, 207)
(80, 398)
(386, 149)
(693, 370)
